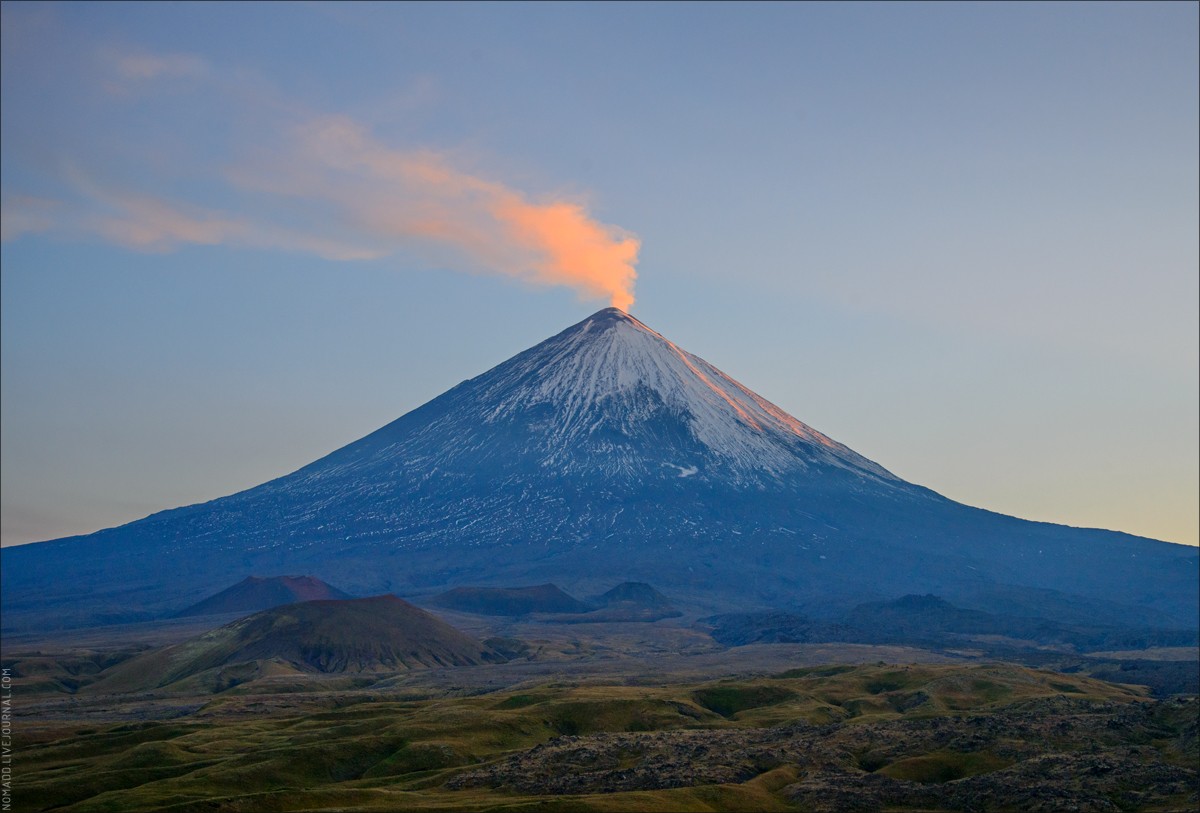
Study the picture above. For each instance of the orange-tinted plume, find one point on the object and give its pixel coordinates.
(576, 250)
(392, 194)
(333, 190)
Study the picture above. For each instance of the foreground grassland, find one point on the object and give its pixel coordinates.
(865, 737)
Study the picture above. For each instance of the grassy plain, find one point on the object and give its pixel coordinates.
(903, 736)
(591, 717)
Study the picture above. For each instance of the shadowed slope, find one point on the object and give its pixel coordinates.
(253, 594)
(630, 602)
(542, 598)
(637, 594)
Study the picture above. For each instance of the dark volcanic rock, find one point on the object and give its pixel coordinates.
(1114, 781)
(1050, 754)
(605, 763)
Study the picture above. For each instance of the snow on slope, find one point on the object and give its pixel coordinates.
(590, 373)
(604, 452)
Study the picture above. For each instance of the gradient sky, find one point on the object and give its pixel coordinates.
(961, 239)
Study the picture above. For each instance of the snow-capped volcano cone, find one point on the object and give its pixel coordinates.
(609, 397)
(604, 454)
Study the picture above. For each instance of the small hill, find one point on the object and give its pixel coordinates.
(629, 601)
(633, 593)
(253, 594)
(918, 617)
(378, 634)
(510, 601)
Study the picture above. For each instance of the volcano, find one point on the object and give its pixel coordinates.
(253, 594)
(605, 454)
(377, 634)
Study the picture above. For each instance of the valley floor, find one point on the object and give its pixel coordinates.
(621, 718)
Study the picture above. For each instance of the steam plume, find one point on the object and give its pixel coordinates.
(329, 188)
(392, 194)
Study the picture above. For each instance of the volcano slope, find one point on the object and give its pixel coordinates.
(604, 454)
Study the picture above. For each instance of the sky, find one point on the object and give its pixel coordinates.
(959, 238)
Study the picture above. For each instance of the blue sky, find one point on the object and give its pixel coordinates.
(961, 239)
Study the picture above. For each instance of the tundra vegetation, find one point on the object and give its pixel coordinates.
(633, 717)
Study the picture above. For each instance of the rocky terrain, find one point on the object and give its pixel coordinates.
(1046, 754)
(895, 736)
